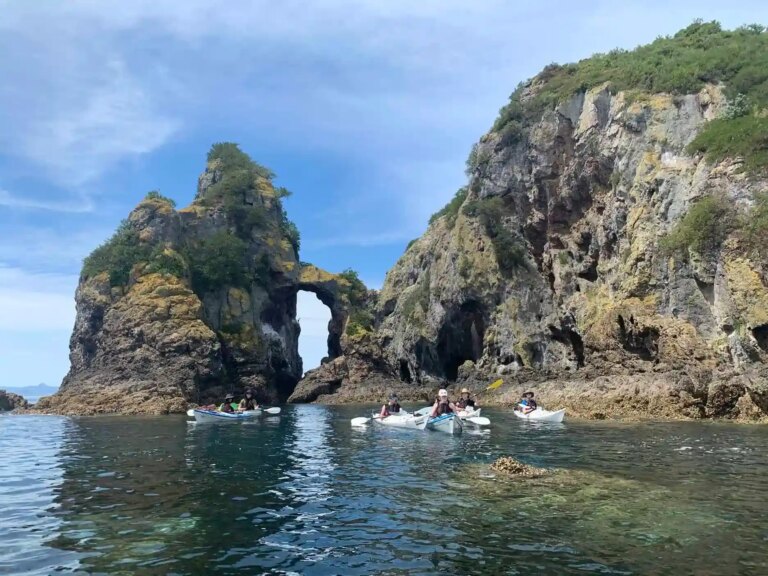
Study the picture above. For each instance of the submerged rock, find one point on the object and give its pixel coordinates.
(511, 467)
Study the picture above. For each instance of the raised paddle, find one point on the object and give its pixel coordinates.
(495, 385)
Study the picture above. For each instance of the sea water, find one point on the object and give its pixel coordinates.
(305, 493)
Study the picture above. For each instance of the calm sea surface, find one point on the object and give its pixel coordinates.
(304, 493)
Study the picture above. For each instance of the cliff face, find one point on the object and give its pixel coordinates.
(609, 249)
(554, 268)
(183, 306)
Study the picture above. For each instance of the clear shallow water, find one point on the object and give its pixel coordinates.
(305, 493)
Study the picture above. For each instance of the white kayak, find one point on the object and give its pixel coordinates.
(448, 423)
(403, 420)
(542, 415)
(216, 416)
(469, 413)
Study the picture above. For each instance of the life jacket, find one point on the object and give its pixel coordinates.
(462, 403)
(443, 408)
(249, 404)
(226, 407)
(393, 408)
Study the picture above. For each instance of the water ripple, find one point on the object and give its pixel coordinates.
(307, 494)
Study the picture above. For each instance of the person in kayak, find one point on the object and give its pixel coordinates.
(442, 405)
(226, 406)
(391, 407)
(527, 404)
(465, 401)
(248, 402)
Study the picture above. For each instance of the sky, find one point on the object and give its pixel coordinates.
(365, 109)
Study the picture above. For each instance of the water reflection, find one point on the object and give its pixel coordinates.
(305, 493)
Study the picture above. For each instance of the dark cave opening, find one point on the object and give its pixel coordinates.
(760, 334)
(461, 338)
(642, 341)
(405, 372)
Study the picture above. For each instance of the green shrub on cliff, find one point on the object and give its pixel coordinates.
(155, 195)
(167, 261)
(703, 229)
(509, 251)
(451, 210)
(217, 261)
(700, 54)
(117, 256)
(355, 290)
(745, 137)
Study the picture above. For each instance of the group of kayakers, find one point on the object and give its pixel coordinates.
(229, 405)
(443, 404)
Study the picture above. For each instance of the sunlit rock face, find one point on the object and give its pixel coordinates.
(182, 306)
(552, 266)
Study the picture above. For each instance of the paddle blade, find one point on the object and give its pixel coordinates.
(191, 413)
(272, 410)
(495, 385)
(479, 420)
(361, 421)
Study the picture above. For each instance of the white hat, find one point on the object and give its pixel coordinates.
(443, 392)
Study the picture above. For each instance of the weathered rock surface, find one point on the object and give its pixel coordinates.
(551, 273)
(11, 401)
(508, 466)
(191, 321)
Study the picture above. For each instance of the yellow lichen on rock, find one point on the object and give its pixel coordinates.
(748, 293)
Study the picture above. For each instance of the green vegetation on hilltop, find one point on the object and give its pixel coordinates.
(700, 54)
(240, 180)
(155, 195)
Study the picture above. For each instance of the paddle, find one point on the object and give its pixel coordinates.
(361, 421)
(495, 385)
(191, 413)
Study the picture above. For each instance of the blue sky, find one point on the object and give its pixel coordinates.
(365, 109)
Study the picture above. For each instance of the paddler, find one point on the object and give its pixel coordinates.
(527, 404)
(248, 402)
(227, 404)
(391, 407)
(465, 400)
(442, 405)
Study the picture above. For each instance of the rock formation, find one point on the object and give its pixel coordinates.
(181, 306)
(608, 250)
(11, 401)
(596, 253)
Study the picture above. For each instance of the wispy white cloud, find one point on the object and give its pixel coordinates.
(76, 205)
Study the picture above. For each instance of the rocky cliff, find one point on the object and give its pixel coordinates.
(180, 306)
(11, 401)
(608, 249)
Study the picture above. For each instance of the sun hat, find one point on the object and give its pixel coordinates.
(465, 390)
(229, 396)
(443, 392)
